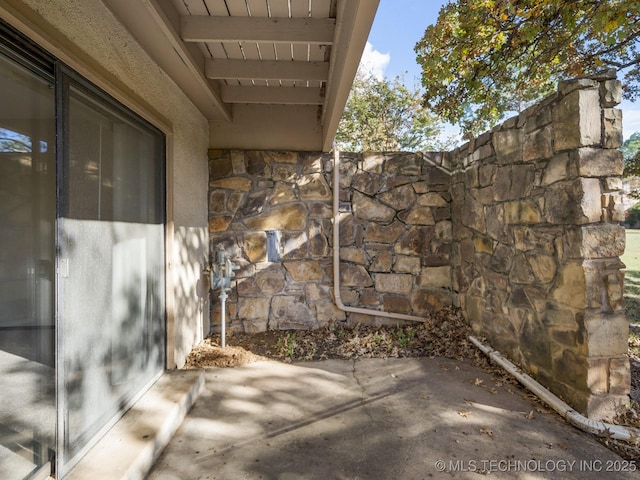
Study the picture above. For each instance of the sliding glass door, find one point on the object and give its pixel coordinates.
(111, 244)
(82, 308)
(27, 259)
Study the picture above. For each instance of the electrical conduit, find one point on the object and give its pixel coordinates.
(596, 427)
(336, 254)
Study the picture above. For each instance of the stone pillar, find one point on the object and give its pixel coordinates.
(588, 129)
(536, 212)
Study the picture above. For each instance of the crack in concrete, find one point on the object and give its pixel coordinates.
(363, 391)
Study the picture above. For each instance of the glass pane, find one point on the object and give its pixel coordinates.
(114, 166)
(111, 296)
(27, 217)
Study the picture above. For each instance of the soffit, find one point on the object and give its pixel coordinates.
(229, 56)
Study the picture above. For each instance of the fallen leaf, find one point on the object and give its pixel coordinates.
(529, 415)
(487, 432)
(464, 413)
(477, 382)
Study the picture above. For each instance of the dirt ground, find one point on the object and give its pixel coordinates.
(444, 334)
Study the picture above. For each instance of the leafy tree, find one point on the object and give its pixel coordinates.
(14, 142)
(631, 152)
(382, 116)
(631, 147)
(485, 58)
(633, 215)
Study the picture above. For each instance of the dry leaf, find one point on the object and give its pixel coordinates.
(529, 415)
(477, 382)
(487, 432)
(464, 413)
(493, 390)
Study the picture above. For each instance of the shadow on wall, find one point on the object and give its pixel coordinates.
(519, 227)
(395, 236)
(537, 212)
(191, 297)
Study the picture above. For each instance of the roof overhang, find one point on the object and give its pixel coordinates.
(267, 74)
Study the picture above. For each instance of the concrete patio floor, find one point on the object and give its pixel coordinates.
(412, 418)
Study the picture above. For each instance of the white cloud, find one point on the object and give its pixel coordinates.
(374, 62)
(630, 121)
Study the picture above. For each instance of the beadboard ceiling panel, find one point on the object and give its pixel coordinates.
(250, 64)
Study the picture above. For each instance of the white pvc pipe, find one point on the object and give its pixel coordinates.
(336, 254)
(572, 416)
(575, 418)
(223, 326)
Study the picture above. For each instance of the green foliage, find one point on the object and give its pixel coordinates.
(633, 215)
(631, 258)
(485, 58)
(404, 336)
(631, 146)
(376, 340)
(382, 116)
(631, 152)
(286, 345)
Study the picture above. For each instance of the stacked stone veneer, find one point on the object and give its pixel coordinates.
(536, 209)
(395, 235)
(519, 227)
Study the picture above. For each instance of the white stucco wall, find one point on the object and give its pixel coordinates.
(86, 35)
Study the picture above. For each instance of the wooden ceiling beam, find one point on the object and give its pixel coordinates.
(210, 28)
(272, 95)
(266, 70)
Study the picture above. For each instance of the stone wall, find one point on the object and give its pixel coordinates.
(395, 236)
(536, 210)
(520, 227)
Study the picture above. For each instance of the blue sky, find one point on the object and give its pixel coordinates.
(400, 24)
